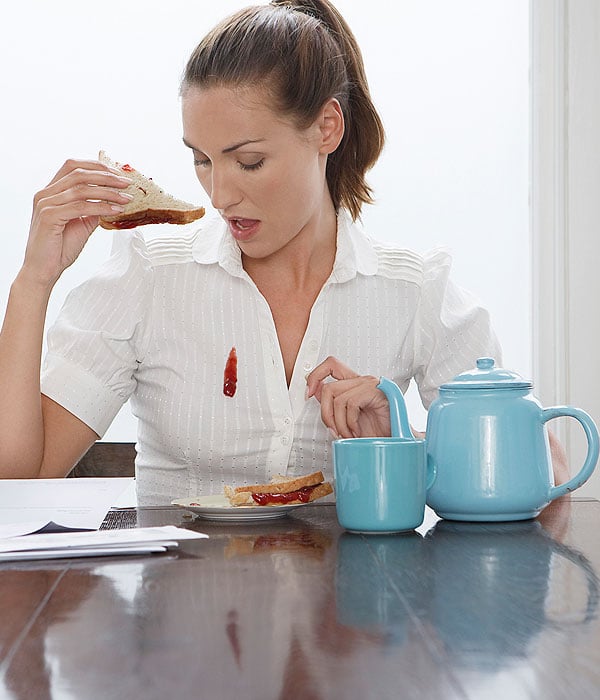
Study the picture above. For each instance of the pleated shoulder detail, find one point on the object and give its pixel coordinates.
(171, 249)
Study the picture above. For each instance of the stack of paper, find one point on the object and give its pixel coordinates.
(59, 518)
(30, 505)
(143, 540)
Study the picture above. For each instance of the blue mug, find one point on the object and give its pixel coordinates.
(381, 482)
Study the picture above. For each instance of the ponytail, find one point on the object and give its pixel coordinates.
(310, 41)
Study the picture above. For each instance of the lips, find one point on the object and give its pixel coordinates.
(242, 229)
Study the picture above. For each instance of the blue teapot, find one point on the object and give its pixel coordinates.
(488, 445)
(488, 456)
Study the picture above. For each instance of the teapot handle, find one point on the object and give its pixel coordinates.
(399, 424)
(591, 433)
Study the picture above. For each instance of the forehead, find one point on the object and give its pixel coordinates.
(230, 112)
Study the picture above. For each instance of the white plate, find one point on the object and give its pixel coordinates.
(218, 508)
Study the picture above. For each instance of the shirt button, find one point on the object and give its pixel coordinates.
(285, 440)
(287, 420)
(307, 366)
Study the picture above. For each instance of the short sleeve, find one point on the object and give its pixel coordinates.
(100, 336)
(452, 329)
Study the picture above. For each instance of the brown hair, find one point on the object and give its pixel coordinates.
(304, 53)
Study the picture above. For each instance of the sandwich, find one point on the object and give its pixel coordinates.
(281, 490)
(150, 203)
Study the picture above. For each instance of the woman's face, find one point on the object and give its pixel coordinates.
(265, 176)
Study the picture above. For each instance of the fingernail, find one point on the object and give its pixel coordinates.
(117, 207)
(333, 434)
(126, 195)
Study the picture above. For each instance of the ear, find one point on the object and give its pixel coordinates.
(331, 126)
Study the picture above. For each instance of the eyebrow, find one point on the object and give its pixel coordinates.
(229, 149)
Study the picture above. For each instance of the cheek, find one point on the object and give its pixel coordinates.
(203, 178)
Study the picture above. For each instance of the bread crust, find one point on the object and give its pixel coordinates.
(152, 216)
(283, 485)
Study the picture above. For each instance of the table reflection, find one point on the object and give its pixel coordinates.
(479, 591)
(41, 598)
(379, 583)
(490, 589)
(299, 608)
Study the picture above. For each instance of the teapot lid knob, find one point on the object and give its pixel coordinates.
(485, 363)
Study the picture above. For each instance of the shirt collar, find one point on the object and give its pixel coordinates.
(354, 254)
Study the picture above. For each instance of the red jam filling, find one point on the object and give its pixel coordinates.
(141, 220)
(127, 168)
(266, 499)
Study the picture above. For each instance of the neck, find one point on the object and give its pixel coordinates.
(305, 261)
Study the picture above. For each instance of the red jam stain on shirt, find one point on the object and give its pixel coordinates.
(265, 499)
(230, 374)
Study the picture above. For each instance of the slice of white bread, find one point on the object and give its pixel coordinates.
(242, 495)
(150, 203)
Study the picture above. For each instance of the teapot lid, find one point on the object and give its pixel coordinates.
(487, 376)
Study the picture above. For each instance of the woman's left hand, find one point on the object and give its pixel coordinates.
(351, 406)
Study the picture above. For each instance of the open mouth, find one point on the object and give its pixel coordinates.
(242, 229)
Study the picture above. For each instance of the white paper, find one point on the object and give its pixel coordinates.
(86, 552)
(67, 503)
(96, 543)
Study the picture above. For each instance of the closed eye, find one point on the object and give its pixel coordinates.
(252, 166)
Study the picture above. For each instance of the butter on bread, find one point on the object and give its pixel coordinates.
(150, 203)
(313, 484)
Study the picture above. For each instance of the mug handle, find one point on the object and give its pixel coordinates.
(591, 433)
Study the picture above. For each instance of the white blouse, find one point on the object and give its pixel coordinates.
(157, 323)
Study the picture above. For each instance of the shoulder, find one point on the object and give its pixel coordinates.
(394, 262)
(173, 245)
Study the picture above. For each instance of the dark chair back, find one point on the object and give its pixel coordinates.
(107, 459)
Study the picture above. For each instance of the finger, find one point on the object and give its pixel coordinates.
(58, 206)
(51, 216)
(349, 404)
(72, 165)
(79, 179)
(334, 400)
(330, 367)
(85, 191)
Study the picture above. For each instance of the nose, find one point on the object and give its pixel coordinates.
(224, 192)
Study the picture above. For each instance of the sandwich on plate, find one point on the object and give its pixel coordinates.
(150, 203)
(281, 490)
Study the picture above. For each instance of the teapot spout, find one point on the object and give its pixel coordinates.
(398, 416)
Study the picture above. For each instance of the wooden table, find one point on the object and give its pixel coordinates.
(296, 608)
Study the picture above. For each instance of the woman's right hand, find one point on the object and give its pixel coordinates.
(66, 212)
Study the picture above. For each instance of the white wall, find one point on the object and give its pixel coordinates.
(566, 212)
(450, 79)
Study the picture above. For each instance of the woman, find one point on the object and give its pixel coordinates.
(277, 114)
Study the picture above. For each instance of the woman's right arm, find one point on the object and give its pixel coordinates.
(39, 438)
